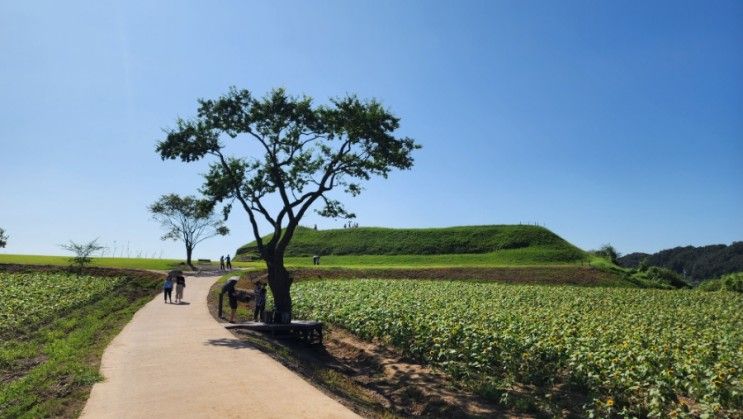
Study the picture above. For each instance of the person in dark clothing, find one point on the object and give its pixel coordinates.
(221, 263)
(168, 289)
(228, 262)
(260, 301)
(229, 289)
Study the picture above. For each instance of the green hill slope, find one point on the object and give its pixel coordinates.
(497, 243)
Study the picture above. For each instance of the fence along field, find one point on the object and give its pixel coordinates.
(634, 351)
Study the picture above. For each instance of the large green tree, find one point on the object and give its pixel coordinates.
(300, 153)
(187, 219)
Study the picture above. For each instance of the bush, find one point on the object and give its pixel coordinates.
(82, 251)
(710, 285)
(732, 282)
(608, 252)
(656, 277)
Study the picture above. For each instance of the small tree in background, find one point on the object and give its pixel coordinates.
(3, 238)
(82, 252)
(187, 219)
(608, 251)
(644, 265)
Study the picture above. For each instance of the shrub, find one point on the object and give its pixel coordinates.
(710, 285)
(608, 252)
(82, 252)
(657, 277)
(732, 282)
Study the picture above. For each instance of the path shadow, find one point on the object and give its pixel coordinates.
(229, 343)
(182, 303)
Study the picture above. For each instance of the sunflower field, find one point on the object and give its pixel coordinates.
(636, 352)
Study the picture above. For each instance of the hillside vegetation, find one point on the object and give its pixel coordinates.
(698, 263)
(527, 243)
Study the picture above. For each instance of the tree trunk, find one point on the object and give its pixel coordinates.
(280, 283)
(189, 251)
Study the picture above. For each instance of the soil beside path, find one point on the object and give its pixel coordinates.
(176, 361)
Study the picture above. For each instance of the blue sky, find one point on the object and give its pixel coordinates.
(608, 122)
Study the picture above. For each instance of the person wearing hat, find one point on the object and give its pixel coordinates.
(229, 289)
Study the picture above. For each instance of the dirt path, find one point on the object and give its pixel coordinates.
(176, 361)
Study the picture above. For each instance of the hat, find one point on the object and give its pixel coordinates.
(234, 278)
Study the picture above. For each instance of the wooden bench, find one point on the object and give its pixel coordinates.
(307, 330)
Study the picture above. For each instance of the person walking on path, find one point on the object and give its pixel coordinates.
(228, 261)
(229, 289)
(260, 301)
(221, 263)
(180, 283)
(168, 288)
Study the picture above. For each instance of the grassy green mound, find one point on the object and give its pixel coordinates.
(492, 245)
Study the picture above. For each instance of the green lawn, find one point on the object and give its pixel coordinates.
(528, 256)
(104, 262)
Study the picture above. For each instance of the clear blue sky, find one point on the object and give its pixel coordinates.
(608, 122)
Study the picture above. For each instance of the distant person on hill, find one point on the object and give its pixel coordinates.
(168, 289)
(221, 263)
(228, 261)
(316, 260)
(229, 289)
(180, 284)
(260, 301)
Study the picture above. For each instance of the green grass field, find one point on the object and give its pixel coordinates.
(103, 262)
(529, 256)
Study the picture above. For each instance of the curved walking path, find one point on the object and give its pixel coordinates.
(176, 361)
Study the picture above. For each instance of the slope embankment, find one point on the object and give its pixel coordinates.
(424, 241)
(523, 254)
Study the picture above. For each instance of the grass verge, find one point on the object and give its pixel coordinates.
(105, 262)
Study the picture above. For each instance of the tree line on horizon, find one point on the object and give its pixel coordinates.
(697, 264)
